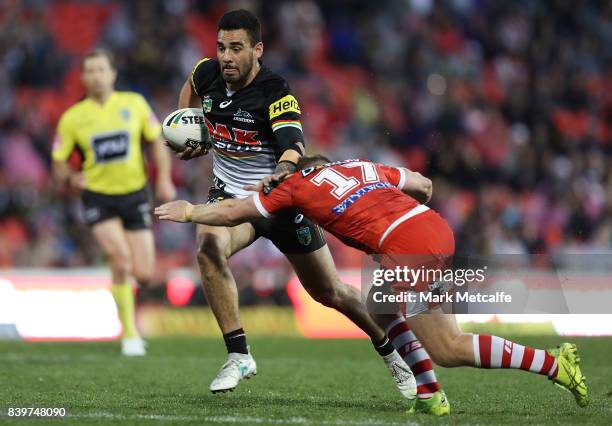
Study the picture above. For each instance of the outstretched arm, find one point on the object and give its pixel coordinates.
(224, 213)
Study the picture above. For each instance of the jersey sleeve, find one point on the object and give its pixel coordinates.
(203, 74)
(151, 127)
(64, 141)
(284, 116)
(278, 199)
(395, 175)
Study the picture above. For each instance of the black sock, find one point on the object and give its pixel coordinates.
(235, 341)
(383, 347)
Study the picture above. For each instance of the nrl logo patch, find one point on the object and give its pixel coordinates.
(207, 104)
(304, 235)
(125, 114)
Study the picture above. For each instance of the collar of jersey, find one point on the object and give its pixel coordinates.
(105, 104)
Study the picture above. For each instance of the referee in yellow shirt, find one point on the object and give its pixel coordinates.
(107, 127)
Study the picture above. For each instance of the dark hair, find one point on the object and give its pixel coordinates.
(241, 19)
(311, 161)
(100, 52)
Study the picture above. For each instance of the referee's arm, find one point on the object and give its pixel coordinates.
(151, 131)
(63, 173)
(63, 145)
(164, 187)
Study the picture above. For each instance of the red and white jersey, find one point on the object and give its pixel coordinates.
(356, 200)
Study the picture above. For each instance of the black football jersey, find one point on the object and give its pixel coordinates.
(249, 127)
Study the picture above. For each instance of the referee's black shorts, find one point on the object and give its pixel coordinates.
(289, 231)
(134, 208)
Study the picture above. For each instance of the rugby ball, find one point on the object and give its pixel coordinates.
(186, 128)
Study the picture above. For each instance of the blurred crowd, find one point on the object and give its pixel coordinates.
(507, 106)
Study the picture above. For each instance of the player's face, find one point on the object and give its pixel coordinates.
(98, 75)
(236, 55)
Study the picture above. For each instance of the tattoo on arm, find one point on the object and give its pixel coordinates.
(285, 166)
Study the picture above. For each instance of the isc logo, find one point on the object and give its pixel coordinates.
(283, 105)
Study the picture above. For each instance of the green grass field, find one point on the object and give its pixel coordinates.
(321, 382)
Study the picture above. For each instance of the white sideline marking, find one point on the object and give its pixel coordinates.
(238, 419)
(81, 356)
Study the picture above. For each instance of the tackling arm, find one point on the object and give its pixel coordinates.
(224, 213)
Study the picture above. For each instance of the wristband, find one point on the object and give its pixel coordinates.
(189, 212)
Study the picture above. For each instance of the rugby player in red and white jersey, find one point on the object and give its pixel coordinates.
(369, 206)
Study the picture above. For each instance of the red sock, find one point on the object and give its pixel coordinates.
(417, 358)
(495, 352)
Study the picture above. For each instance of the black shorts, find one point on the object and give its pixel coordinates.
(289, 231)
(134, 209)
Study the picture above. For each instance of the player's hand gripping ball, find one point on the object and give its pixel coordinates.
(186, 133)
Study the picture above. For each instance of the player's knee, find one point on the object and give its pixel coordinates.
(121, 266)
(328, 296)
(143, 276)
(213, 251)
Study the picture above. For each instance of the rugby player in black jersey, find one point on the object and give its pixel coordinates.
(254, 124)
